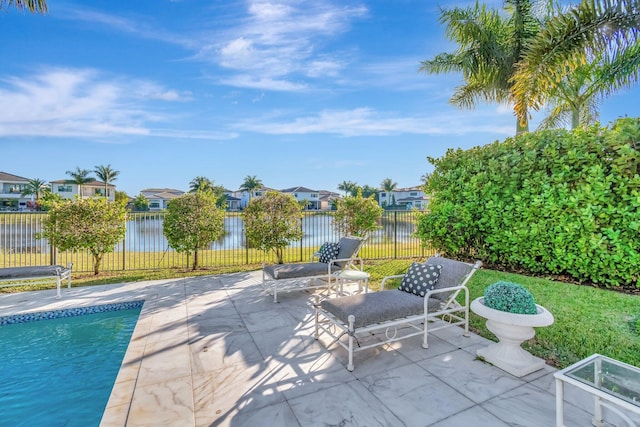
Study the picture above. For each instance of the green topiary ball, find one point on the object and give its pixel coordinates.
(509, 297)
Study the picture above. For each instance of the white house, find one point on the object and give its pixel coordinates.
(404, 198)
(159, 198)
(69, 190)
(233, 201)
(11, 188)
(303, 194)
(245, 196)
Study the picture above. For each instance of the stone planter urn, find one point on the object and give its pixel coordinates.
(511, 330)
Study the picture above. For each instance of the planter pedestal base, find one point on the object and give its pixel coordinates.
(507, 353)
(511, 330)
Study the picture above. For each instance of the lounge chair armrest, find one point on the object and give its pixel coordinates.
(397, 276)
(443, 290)
(350, 262)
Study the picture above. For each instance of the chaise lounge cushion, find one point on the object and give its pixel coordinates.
(26, 272)
(451, 274)
(420, 278)
(293, 271)
(376, 307)
(348, 247)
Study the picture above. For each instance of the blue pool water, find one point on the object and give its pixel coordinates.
(60, 371)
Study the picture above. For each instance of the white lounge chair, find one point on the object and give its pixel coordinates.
(37, 275)
(347, 318)
(315, 274)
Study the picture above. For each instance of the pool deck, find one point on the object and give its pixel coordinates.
(216, 351)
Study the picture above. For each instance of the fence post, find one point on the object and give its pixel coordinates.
(395, 234)
(302, 230)
(124, 254)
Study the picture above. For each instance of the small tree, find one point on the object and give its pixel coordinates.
(92, 224)
(357, 215)
(193, 222)
(140, 203)
(272, 222)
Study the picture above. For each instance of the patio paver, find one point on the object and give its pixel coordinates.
(216, 351)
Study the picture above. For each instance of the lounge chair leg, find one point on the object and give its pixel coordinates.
(352, 320)
(58, 295)
(316, 305)
(425, 344)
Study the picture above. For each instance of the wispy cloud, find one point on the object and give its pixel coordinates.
(66, 102)
(280, 41)
(368, 122)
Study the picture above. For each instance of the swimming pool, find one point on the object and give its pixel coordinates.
(57, 368)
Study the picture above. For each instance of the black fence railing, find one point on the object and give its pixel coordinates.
(145, 247)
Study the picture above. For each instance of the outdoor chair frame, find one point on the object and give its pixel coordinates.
(413, 315)
(311, 275)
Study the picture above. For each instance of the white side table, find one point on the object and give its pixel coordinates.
(613, 384)
(347, 276)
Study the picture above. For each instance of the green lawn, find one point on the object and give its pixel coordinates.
(587, 320)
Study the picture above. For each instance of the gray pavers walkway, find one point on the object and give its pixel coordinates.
(216, 351)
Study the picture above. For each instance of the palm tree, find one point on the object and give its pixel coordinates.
(36, 187)
(200, 183)
(490, 45)
(80, 177)
(250, 184)
(349, 187)
(606, 27)
(106, 175)
(34, 6)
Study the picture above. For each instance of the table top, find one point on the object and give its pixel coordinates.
(352, 274)
(608, 375)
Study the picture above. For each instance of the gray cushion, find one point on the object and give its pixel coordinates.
(376, 307)
(348, 247)
(292, 271)
(420, 278)
(26, 272)
(452, 274)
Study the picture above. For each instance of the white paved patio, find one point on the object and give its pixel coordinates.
(216, 351)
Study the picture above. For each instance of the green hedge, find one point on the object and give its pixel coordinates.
(558, 202)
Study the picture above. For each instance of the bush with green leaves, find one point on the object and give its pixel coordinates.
(93, 224)
(272, 222)
(509, 297)
(357, 215)
(193, 222)
(549, 202)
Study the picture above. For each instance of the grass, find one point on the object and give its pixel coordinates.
(587, 320)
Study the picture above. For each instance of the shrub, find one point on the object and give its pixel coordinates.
(92, 224)
(509, 297)
(272, 222)
(193, 222)
(549, 202)
(357, 215)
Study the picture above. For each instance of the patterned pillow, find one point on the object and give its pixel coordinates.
(420, 278)
(328, 252)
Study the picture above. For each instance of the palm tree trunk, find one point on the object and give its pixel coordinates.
(575, 118)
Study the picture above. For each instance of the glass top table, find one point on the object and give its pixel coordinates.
(607, 379)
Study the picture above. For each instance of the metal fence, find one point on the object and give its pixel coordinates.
(145, 247)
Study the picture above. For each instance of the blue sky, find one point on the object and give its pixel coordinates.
(297, 93)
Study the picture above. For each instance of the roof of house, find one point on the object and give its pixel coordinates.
(329, 195)
(4, 176)
(162, 190)
(163, 195)
(298, 190)
(92, 183)
(411, 199)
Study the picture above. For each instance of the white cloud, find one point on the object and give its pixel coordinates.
(83, 103)
(280, 39)
(253, 82)
(368, 122)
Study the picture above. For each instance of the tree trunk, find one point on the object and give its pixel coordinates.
(575, 118)
(97, 259)
(195, 259)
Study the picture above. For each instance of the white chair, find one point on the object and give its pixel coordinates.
(346, 318)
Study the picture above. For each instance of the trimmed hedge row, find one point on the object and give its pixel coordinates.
(557, 201)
